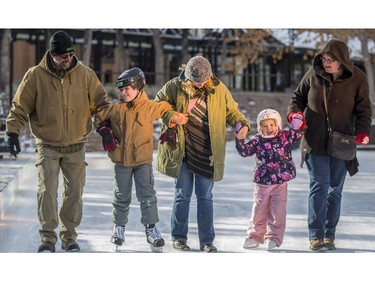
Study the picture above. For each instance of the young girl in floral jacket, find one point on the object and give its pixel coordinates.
(272, 147)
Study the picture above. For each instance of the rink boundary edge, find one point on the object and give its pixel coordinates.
(8, 195)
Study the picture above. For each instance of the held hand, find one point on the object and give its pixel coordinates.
(242, 132)
(108, 141)
(13, 144)
(297, 122)
(179, 118)
(169, 136)
(238, 127)
(362, 138)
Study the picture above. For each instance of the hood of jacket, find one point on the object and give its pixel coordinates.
(47, 64)
(340, 51)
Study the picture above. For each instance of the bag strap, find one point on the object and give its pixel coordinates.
(326, 104)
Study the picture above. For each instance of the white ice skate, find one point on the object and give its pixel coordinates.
(270, 244)
(154, 239)
(118, 236)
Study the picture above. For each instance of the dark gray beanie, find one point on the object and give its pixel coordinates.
(61, 43)
(198, 69)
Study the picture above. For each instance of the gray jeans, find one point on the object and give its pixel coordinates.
(145, 192)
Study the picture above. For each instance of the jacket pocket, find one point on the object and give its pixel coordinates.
(116, 156)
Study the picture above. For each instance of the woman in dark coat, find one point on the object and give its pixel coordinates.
(349, 110)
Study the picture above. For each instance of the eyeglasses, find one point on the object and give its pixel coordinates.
(327, 60)
(64, 56)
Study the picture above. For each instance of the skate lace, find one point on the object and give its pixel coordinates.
(119, 231)
(153, 233)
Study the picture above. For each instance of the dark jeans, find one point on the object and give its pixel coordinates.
(327, 177)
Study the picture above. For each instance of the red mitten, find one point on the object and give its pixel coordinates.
(169, 136)
(362, 138)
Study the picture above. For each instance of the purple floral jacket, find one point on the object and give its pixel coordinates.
(273, 156)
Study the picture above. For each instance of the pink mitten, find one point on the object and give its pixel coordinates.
(297, 121)
(238, 127)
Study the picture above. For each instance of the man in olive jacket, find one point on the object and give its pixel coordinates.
(349, 110)
(196, 154)
(58, 97)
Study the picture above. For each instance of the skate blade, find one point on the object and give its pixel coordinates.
(117, 248)
(155, 249)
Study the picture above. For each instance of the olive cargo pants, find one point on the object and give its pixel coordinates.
(71, 161)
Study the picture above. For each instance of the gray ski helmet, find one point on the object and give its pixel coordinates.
(132, 77)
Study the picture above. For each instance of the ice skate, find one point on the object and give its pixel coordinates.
(154, 239)
(250, 243)
(118, 236)
(270, 244)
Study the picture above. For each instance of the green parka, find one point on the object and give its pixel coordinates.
(349, 105)
(222, 111)
(59, 110)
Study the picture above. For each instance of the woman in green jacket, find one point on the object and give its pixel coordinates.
(194, 153)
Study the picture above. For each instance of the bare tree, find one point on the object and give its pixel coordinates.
(4, 59)
(120, 50)
(159, 58)
(87, 47)
(48, 34)
(185, 46)
(246, 46)
(364, 36)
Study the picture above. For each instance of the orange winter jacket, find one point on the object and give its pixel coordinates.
(132, 126)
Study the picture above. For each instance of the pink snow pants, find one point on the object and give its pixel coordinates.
(268, 216)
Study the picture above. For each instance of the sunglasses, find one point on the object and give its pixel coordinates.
(64, 56)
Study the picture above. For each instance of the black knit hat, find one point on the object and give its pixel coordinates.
(198, 69)
(61, 43)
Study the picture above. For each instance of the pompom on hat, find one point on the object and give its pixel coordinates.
(61, 43)
(198, 69)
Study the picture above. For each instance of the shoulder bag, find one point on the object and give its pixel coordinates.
(339, 145)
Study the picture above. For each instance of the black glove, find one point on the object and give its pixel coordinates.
(169, 136)
(13, 144)
(108, 140)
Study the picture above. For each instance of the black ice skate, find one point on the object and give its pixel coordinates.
(118, 236)
(154, 238)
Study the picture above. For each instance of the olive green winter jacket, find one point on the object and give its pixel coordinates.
(222, 111)
(59, 109)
